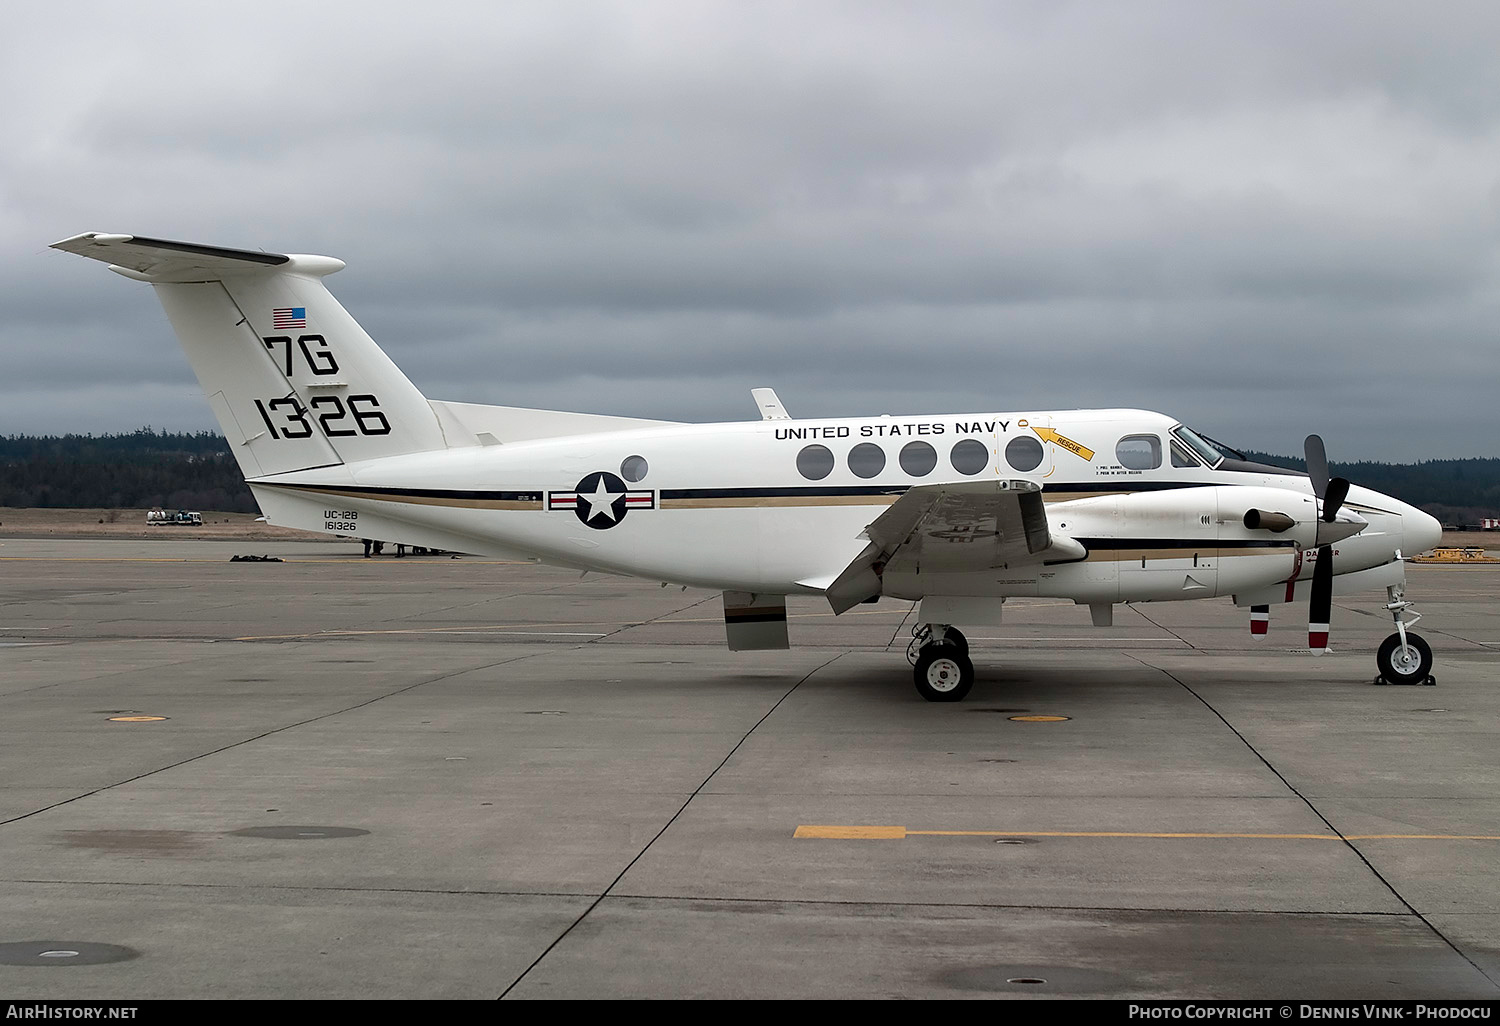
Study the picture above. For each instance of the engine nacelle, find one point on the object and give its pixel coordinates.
(1183, 543)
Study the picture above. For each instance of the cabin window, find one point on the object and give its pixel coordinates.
(969, 456)
(1180, 456)
(918, 458)
(866, 459)
(634, 468)
(1139, 452)
(1023, 453)
(815, 462)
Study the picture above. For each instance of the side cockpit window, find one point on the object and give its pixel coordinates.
(1209, 453)
(1180, 455)
(1139, 452)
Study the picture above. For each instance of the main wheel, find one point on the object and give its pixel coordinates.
(1404, 664)
(942, 674)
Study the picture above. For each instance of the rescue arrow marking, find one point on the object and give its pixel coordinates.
(1049, 435)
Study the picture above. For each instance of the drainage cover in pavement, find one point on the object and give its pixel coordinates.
(299, 833)
(63, 953)
(1041, 979)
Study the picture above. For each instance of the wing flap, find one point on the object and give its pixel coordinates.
(973, 525)
(953, 528)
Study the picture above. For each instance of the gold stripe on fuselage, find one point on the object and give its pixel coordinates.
(768, 501)
(417, 500)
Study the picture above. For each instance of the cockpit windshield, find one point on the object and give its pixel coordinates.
(1208, 451)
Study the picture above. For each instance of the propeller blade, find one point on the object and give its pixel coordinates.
(1338, 491)
(1317, 464)
(1320, 606)
(1260, 621)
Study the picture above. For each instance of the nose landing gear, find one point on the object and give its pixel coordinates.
(941, 669)
(1403, 658)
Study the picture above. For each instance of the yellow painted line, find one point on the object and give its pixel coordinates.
(896, 833)
(857, 833)
(1039, 719)
(136, 719)
(1422, 837)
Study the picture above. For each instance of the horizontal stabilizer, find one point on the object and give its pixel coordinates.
(164, 260)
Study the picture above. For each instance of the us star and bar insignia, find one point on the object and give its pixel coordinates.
(601, 500)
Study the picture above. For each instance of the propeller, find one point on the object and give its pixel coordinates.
(1331, 495)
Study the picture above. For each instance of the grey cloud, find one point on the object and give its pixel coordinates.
(1264, 218)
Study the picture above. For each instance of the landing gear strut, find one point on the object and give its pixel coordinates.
(941, 669)
(1404, 658)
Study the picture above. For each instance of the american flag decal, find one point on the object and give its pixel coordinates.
(289, 317)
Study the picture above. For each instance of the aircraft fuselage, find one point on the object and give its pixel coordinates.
(1153, 532)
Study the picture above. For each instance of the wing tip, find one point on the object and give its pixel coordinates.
(75, 243)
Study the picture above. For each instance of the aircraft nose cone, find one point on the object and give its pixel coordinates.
(1419, 532)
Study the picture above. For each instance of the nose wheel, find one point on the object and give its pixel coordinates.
(941, 667)
(1404, 657)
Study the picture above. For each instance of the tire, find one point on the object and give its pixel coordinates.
(1409, 665)
(943, 675)
(956, 637)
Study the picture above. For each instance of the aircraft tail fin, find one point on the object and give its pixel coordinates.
(293, 379)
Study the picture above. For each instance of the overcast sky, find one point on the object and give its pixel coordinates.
(1262, 218)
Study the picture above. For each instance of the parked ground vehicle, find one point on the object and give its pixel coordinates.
(157, 517)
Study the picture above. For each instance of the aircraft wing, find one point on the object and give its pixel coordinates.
(953, 527)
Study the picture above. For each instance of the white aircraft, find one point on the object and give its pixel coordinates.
(959, 511)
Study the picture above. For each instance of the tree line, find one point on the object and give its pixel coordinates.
(1457, 492)
(141, 469)
(147, 468)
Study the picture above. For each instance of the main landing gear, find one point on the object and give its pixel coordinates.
(939, 655)
(1404, 658)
